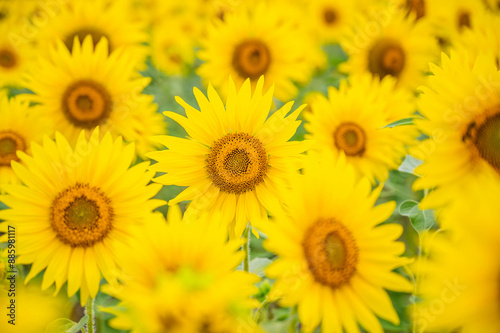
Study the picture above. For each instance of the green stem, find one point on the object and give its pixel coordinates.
(89, 310)
(292, 328)
(246, 249)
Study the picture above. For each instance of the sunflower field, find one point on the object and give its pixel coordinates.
(249, 166)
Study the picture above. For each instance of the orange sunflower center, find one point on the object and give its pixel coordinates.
(251, 59)
(86, 103)
(10, 142)
(417, 7)
(237, 163)
(84, 32)
(329, 16)
(485, 137)
(8, 59)
(331, 252)
(464, 20)
(81, 216)
(386, 58)
(350, 138)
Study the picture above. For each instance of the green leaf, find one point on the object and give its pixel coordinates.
(409, 165)
(64, 325)
(258, 265)
(420, 220)
(401, 122)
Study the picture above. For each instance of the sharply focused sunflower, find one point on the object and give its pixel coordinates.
(458, 278)
(89, 87)
(19, 126)
(399, 47)
(461, 106)
(97, 18)
(234, 159)
(185, 274)
(14, 57)
(249, 44)
(352, 121)
(76, 208)
(334, 260)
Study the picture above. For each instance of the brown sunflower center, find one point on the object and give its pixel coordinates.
(350, 138)
(81, 216)
(386, 58)
(10, 142)
(417, 7)
(169, 322)
(251, 59)
(464, 20)
(84, 32)
(237, 163)
(8, 58)
(86, 103)
(331, 252)
(329, 16)
(485, 137)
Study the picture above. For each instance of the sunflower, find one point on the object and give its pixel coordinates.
(77, 206)
(235, 159)
(19, 126)
(14, 57)
(330, 18)
(35, 309)
(461, 106)
(111, 20)
(89, 87)
(334, 261)
(399, 47)
(353, 119)
(252, 43)
(185, 274)
(458, 278)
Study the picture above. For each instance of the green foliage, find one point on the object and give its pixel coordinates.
(64, 325)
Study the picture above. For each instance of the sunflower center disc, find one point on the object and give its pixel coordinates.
(86, 103)
(386, 58)
(329, 16)
(81, 216)
(82, 33)
(350, 138)
(486, 138)
(237, 163)
(331, 252)
(251, 59)
(7, 59)
(10, 142)
(417, 7)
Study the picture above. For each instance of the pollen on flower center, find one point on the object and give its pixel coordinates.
(251, 59)
(10, 142)
(485, 136)
(329, 16)
(7, 58)
(350, 138)
(237, 163)
(386, 58)
(82, 33)
(331, 252)
(86, 103)
(81, 216)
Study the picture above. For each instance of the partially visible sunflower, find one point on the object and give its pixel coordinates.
(19, 126)
(330, 18)
(235, 157)
(400, 48)
(89, 87)
(335, 261)
(256, 42)
(185, 274)
(14, 57)
(352, 122)
(77, 206)
(97, 18)
(461, 106)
